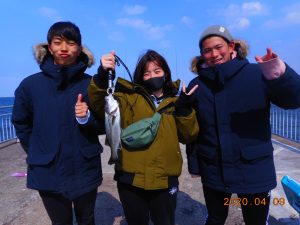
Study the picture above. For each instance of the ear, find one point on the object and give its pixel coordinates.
(231, 46)
(80, 50)
(50, 50)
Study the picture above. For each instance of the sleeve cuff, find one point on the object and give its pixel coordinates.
(273, 69)
(84, 120)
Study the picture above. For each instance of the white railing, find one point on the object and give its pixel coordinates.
(285, 123)
(7, 130)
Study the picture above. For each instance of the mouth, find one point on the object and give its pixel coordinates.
(64, 55)
(217, 61)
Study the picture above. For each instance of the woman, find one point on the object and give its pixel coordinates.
(63, 156)
(147, 178)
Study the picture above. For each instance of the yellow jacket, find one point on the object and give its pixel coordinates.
(158, 165)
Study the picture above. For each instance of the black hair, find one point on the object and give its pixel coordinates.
(209, 36)
(152, 56)
(66, 30)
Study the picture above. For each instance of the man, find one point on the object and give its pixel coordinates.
(234, 152)
(63, 156)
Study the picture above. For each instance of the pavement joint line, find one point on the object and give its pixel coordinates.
(293, 149)
(278, 150)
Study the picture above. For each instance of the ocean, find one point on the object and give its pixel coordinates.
(6, 128)
(6, 101)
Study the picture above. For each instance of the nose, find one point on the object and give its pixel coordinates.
(64, 46)
(214, 53)
(152, 74)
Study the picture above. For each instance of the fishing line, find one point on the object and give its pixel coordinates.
(118, 61)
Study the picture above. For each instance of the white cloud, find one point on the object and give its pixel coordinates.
(242, 23)
(292, 13)
(238, 16)
(153, 32)
(187, 21)
(49, 13)
(135, 23)
(288, 16)
(134, 10)
(252, 8)
(293, 17)
(158, 32)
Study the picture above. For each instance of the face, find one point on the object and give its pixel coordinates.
(64, 51)
(152, 70)
(215, 50)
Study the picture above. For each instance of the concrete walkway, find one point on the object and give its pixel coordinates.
(21, 206)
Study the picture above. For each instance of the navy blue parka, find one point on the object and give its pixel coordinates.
(234, 152)
(62, 155)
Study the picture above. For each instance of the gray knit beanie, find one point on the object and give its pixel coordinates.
(215, 30)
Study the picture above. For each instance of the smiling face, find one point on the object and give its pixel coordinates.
(64, 51)
(215, 50)
(152, 70)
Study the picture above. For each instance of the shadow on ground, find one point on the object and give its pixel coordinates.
(109, 210)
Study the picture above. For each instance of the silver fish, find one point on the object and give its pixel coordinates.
(112, 126)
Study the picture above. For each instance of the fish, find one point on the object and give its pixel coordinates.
(112, 127)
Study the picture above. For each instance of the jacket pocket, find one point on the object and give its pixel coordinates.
(38, 159)
(91, 151)
(257, 151)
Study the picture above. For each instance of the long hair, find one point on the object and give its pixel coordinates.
(152, 56)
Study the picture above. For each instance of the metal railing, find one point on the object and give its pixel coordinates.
(285, 123)
(7, 130)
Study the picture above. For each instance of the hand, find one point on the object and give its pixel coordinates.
(81, 107)
(191, 91)
(270, 55)
(185, 99)
(108, 61)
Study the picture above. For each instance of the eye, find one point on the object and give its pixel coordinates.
(56, 42)
(71, 43)
(206, 50)
(157, 71)
(218, 47)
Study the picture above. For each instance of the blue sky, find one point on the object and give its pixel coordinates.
(130, 27)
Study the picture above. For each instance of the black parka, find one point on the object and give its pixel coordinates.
(62, 156)
(234, 152)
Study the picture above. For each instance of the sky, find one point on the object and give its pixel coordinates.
(130, 27)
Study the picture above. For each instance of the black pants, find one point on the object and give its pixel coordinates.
(140, 205)
(60, 210)
(255, 207)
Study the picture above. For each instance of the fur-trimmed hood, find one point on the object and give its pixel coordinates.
(241, 51)
(41, 52)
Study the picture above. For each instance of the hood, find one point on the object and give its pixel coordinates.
(241, 51)
(41, 52)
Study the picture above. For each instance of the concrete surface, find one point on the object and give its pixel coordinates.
(22, 206)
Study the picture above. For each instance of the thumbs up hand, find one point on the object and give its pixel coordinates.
(81, 107)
